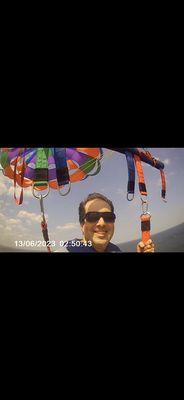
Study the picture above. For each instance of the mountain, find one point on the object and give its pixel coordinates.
(170, 240)
(6, 249)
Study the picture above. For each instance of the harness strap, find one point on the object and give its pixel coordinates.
(163, 179)
(61, 166)
(131, 175)
(140, 173)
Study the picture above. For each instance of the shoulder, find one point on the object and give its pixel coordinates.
(112, 248)
(77, 246)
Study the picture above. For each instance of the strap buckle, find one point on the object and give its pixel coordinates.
(40, 196)
(144, 207)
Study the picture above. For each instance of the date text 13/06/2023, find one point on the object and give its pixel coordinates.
(53, 243)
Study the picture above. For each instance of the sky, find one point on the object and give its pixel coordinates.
(22, 223)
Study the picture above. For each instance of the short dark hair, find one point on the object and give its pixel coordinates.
(90, 197)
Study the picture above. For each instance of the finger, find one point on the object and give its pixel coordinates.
(141, 245)
(149, 247)
(149, 242)
(139, 249)
(149, 251)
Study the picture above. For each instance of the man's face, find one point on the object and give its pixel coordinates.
(100, 232)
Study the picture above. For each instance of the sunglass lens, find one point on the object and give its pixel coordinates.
(94, 217)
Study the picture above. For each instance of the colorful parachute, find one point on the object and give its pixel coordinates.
(45, 168)
(56, 168)
(135, 157)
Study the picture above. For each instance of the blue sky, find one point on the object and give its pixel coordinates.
(23, 222)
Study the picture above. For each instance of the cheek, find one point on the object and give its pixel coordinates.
(111, 229)
(87, 230)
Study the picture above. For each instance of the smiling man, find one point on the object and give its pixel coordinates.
(97, 221)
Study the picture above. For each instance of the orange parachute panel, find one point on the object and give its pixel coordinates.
(92, 152)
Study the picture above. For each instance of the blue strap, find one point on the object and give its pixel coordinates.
(61, 166)
(131, 175)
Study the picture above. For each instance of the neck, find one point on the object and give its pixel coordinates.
(99, 248)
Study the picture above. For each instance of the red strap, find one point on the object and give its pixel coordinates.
(140, 173)
(45, 233)
(163, 178)
(145, 227)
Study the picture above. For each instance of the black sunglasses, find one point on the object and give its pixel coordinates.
(94, 216)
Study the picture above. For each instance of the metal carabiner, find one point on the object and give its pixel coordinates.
(65, 194)
(128, 196)
(144, 206)
(41, 196)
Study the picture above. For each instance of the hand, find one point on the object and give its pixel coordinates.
(147, 247)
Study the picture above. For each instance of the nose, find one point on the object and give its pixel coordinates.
(101, 222)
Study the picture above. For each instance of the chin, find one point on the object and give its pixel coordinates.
(100, 241)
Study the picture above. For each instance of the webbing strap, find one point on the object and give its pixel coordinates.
(163, 179)
(140, 173)
(41, 170)
(20, 200)
(61, 166)
(145, 227)
(131, 173)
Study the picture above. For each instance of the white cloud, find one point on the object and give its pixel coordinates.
(167, 161)
(27, 216)
(18, 226)
(13, 221)
(68, 226)
(2, 218)
(6, 186)
(8, 229)
(14, 225)
(3, 188)
(27, 192)
(7, 181)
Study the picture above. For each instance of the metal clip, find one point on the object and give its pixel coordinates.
(144, 206)
(130, 198)
(40, 196)
(68, 191)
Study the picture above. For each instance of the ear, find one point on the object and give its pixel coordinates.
(82, 226)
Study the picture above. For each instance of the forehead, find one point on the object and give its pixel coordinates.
(97, 205)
